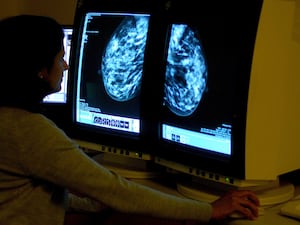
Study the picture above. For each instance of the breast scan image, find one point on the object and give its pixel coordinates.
(186, 72)
(123, 58)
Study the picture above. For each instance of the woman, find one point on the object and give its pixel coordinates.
(39, 162)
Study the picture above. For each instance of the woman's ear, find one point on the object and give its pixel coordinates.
(42, 73)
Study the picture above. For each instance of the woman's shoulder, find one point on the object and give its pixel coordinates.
(31, 126)
(21, 115)
(26, 121)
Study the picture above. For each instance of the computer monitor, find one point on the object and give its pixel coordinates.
(61, 96)
(211, 111)
(109, 92)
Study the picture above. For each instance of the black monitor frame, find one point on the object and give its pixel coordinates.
(228, 32)
(114, 140)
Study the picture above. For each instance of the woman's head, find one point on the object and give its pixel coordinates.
(30, 47)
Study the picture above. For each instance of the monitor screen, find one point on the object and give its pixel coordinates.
(110, 71)
(61, 96)
(193, 117)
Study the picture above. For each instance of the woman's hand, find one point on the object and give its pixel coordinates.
(243, 202)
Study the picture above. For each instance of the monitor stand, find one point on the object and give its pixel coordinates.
(129, 164)
(268, 197)
(132, 168)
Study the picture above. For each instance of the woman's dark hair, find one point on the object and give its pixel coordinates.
(29, 43)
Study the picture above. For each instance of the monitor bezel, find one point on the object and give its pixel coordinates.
(114, 138)
(200, 159)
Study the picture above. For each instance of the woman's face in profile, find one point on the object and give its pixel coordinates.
(54, 76)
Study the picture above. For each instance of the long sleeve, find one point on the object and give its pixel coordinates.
(48, 154)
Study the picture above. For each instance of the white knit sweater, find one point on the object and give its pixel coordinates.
(38, 162)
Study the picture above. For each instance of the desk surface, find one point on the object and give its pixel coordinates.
(271, 215)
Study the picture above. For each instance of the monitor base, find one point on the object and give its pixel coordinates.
(127, 167)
